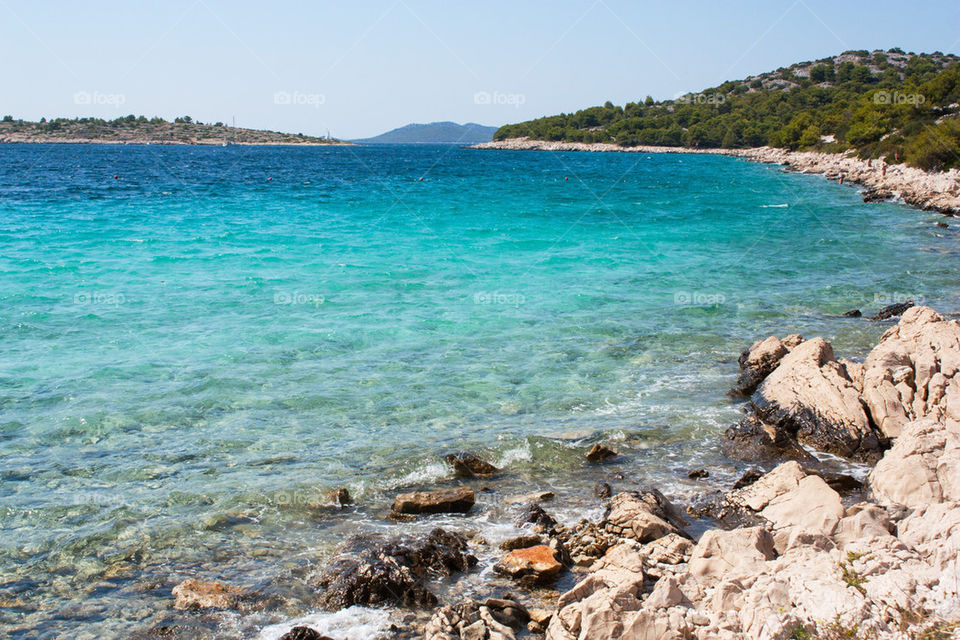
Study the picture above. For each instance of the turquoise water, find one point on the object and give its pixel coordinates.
(193, 353)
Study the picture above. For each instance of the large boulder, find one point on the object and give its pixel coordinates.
(812, 396)
(740, 552)
(373, 570)
(923, 467)
(911, 372)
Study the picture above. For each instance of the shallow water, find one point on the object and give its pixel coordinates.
(193, 353)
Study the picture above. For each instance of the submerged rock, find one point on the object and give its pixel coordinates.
(534, 514)
(853, 313)
(599, 453)
(459, 500)
(372, 570)
(467, 465)
(698, 474)
(339, 497)
(193, 594)
(531, 566)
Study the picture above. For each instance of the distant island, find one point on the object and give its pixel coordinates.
(141, 130)
(435, 133)
(890, 105)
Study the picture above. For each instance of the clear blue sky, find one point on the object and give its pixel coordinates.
(360, 68)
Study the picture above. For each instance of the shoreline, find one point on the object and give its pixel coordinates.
(799, 551)
(938, 192)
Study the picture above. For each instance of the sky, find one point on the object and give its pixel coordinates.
(360, 68)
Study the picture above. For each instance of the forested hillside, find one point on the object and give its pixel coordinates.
(890, 104)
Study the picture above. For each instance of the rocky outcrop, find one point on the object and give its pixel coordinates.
(373, 570)
(810, 568)
(910, 373)
(599, 453)
(812, 396)
(459, 500)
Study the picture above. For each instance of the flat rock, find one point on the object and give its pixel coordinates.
(459, 500)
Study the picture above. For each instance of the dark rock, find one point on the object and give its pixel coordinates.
(459, 500)
(599, 452)
(520, 542)
(750, 440)
(942, 225)
(697, 474)
(339, 497)
(373, 570)
(715, 506)
(853, 313)
(304, 633)
(876, 195)
(748, 478)
(602, 490)
(467, 465)
(839, 482)
(893, 310)
(535, 515)
(471, 620)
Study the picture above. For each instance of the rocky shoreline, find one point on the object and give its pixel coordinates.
(797, 552)
(928, 191)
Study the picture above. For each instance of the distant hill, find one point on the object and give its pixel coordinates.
(141, 130)
(889, 104)
(435, 133)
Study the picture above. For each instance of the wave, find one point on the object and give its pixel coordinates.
(352, 623)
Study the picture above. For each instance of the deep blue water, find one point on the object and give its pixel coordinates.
(193, 351)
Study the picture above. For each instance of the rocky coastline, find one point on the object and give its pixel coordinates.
(791, 550)
(938, 191)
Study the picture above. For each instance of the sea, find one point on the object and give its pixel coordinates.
(197, 344)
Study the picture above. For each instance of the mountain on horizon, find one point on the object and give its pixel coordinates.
(434, 133)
